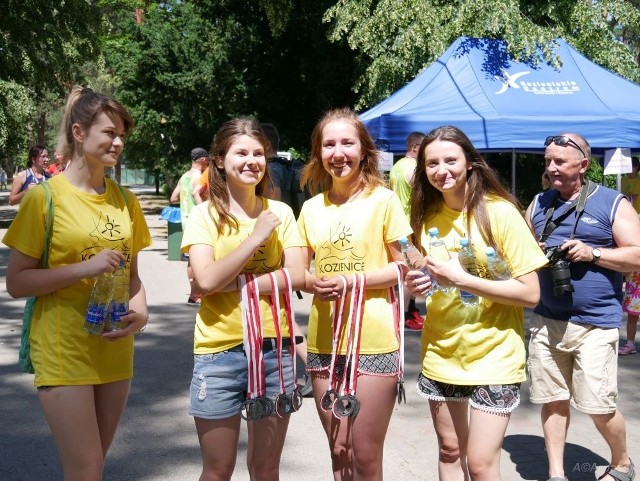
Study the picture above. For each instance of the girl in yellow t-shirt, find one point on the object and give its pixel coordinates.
(473, 355)
(234, 234)
(83, 380)
(352, 226)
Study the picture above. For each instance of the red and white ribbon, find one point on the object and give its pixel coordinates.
(276, 314)
(353, 335)
(397, 307)
(252, 335)
(338, 318)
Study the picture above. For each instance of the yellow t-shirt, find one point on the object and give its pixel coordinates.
(398, 180)
(484, 344)
(61, 351)
(219, 320)
(352, 238)
(632, 187)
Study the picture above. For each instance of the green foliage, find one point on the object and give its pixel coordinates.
(190, 66)
(44, 41)
(44, 44)
(17, 110)
(396, 40)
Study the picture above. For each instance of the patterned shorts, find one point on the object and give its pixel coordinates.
(496, 399)
(631, 299)
(370, 364)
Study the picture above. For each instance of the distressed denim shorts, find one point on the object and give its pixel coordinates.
(219, 383)
(495, 399)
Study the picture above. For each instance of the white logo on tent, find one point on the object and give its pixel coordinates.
(508, 80)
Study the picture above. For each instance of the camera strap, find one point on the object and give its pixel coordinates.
(578, 204)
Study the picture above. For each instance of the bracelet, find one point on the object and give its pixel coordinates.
(146, 321)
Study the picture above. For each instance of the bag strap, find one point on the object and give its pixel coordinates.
(48, 223)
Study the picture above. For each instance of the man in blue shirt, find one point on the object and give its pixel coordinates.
(591, 235)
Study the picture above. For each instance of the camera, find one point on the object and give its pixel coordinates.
(560, 271)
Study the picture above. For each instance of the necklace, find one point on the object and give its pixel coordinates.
(35, 177)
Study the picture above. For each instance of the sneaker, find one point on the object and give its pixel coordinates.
(413, 321)
(628, 348)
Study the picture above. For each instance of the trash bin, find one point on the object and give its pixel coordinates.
(174, 232)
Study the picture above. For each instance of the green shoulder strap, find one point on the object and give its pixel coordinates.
(48, 223)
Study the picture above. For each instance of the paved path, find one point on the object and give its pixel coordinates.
(157, 440)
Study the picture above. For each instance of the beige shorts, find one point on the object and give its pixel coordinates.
(571, 361)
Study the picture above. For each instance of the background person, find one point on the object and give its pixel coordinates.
(631, 299)
(201, 187)
(574, 331)
(183, 194)
(401, 182)
(238, 232)
(353, 222)
(474, 356)
(58, 165)
(3, 179)
(274, 191)
(83, 383)
(32, 175)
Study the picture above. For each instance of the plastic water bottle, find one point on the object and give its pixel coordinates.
(119, 305)
(498, 267)
(438, 250)
(413, 258)
(468, 262)
(98, 309)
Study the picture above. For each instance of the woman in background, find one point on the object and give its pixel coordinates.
(32, 176)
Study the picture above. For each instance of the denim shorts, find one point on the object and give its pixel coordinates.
(496, 399)
(219, 383)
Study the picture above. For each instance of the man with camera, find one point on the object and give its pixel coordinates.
(591, 235)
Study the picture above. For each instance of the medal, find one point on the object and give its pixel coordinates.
(346, 406)
(327, 400)
(252, 410)
(283, 405)
(402, 395)
(296, 399)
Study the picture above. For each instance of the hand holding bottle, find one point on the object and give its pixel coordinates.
(105, 261)
(419, 283)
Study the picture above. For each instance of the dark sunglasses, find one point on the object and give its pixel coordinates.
(562, 141)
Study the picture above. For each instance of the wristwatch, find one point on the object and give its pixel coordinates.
(595, 255)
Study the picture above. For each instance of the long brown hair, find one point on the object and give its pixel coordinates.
(83, 106)
(482, 181)
(218, 192)
(314, 176)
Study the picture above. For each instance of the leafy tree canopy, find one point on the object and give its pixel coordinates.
(189, 66)
(396, 40)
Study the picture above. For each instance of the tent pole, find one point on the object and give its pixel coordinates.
(513, 171)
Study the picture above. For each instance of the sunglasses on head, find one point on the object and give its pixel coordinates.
(562, 141)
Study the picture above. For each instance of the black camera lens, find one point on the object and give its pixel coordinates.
(561, 276)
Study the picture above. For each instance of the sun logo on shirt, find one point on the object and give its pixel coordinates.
(111, 229)
(343, 237)
(340, 245)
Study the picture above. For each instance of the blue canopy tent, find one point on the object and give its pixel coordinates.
(504, 105)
